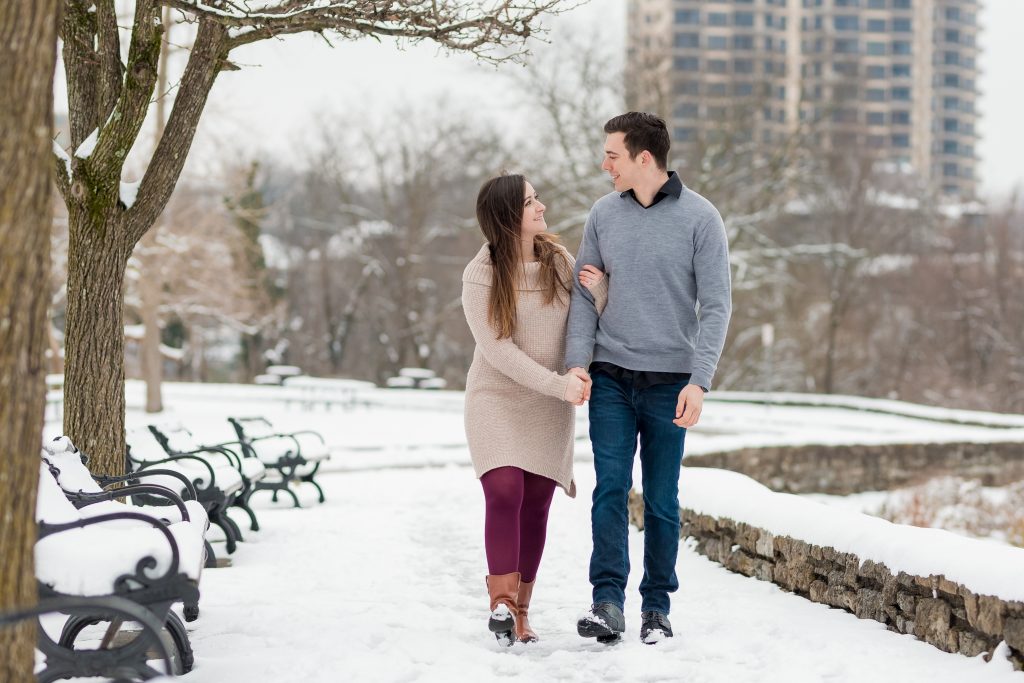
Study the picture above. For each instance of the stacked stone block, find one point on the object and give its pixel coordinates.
(932, 608)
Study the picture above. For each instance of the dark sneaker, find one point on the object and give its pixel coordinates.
(604, 621)
(655, 626)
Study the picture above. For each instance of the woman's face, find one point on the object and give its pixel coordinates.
(533, 214)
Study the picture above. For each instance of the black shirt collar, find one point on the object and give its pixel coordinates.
(673, 186)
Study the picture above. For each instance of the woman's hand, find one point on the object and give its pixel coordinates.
(575, 390)
(590, 276)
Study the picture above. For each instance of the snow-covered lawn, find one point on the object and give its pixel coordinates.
(384, 582)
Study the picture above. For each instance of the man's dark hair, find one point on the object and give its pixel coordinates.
(643, 131)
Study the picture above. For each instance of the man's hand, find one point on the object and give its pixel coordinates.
(587, 382)
(689, 405)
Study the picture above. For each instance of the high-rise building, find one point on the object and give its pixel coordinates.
(895, 77)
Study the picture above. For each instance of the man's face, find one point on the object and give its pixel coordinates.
(624, 172)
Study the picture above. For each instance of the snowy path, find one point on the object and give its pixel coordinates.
(385, 583)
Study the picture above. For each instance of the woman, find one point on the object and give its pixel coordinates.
(519, 410)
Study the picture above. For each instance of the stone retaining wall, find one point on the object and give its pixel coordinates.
(932, 608)
(846, 469)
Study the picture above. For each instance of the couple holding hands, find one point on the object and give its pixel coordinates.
(635, 325)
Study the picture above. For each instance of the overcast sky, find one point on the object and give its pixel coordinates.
(285, 85)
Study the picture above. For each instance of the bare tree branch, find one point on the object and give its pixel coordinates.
(169, 157)
(461, 25)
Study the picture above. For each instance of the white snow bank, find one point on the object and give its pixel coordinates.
(985, 567)
(129, 191)
(88, 145)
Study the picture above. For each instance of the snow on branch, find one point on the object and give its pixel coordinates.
(460, 25)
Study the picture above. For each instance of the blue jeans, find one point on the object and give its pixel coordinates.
(618, 414)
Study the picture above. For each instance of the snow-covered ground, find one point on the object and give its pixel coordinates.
(384, 582)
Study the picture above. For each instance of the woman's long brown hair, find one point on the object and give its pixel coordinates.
(499, 210)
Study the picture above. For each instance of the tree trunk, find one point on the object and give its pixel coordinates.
(94, 343)
(150, 286)
(28, 53)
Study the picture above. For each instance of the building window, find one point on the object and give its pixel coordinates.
(687, 16)
(846, 22)
(687, 40)
(950, 103)
(845, 116)
(876, 25)
(902, 4)
(901, 93)
(901, 25)
(876, 71)
(845, 68)
(687, 88)
(901, 70)
(743, 66)
(686, 63)
(847, 46)
(953, 13)
(876, 118)
(717, 89)
(949, 147)
(687, 111)
(901, 140)
(901, 117)
(683, 134)
(743, 42)
(744, 89)
(876, 4)
(718, 42)
(952, 36)
(876, 48)
(718, 19)
(949, 170)
(876, 95)
(847, 3)
(718, 66)
(951, 80)
(743, 19)
(876, 141)
(901, 47)
(951, 57)
(950, 125)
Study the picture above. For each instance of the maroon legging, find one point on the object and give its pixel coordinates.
(517, 520)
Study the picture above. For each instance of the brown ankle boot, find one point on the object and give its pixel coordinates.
(504, 593)
(523, 630)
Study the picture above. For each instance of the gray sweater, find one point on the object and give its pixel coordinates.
(669, 291)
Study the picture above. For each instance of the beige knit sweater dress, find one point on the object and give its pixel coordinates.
(515, 415)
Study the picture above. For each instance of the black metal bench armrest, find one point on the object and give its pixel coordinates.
(46, 529)
(189, 487)
(145, 464)
(131, 490)
(231, 457)
(109, 605)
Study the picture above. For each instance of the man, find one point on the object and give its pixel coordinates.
(654, 349)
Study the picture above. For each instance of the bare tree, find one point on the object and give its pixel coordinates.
(108, 102)
(28, 52)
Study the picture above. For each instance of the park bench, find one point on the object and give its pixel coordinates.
(288, 456)
(127, 554)
(92, 494)
(214, 474)
(175, 439)
(64, 662)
